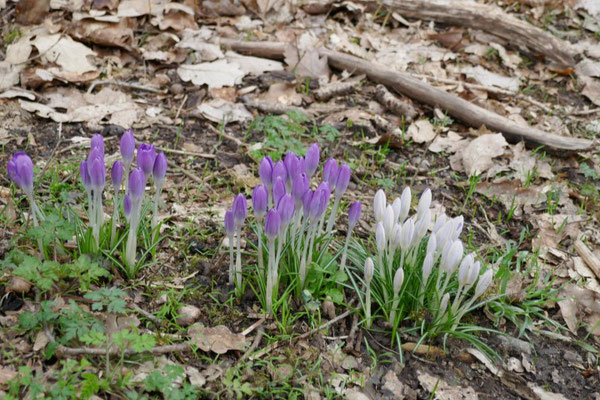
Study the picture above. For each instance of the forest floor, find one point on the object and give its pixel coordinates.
(80, 68)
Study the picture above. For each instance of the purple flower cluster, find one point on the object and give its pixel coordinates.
(291, 211)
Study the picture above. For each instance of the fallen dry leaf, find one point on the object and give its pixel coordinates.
(70, 55)
(511, 194)
(218, 339)
(282, 93)
(253, 65)
(219, 110)
(89, 108)
(214, 74)
(489, 78)
(137, 8)
(580, 305)
(477, 156)
(421, 131)
(31, 12)
(7, 375)
(591, 89)
(187, 315)
(307, 63)
(443, 390)
(450, 143)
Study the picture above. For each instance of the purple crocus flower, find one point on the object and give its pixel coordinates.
(279, 171)
(320, 200)
(229, 224)
(240, 210)
(137, 183)
(159, 170)
(301, 165)
(260, 200)
(127, 205)
(85, 176)
(343, 179)
(292, 165)
(330, 172)
(285, 208)
(20, 171)
(146, 155)
(127, 146)
(272, 224)
(306, 201)
(278, 189)
(97, 142)
(354, 214)
(116, 174)
(97, 171)
(300, 184)
(311, 160)
(265, 171)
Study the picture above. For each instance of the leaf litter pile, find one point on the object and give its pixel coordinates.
(494, 106)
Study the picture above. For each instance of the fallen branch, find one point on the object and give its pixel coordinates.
(590, 258)
(490, 19)
(405, 84)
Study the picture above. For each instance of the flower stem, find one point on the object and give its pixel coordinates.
(115, 220)
(231, 265)
(331, 221)
(345, 251)
(238, 263)
(270, 267)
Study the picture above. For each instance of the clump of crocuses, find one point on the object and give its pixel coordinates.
(420, 264)
(290, 215)
(93, 176)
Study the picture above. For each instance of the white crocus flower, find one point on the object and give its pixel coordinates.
(379, 205)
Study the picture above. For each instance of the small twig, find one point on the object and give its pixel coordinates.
(124, 84)
(190, 175)
(145, 313)
(253, 346)
(181, 106)
(254, 325)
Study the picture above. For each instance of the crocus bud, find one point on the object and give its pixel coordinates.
(397, 207)
(272, 224)
(405, 200)
(265, 171)
(300, 184)
(85, 176)
(369, 270)
(444, 304)
(229, 224)
(406, 237)
(127, 146)
(240, 210)
(278, 189)
(397, 235)
(424, 202)
(343, 179)
(279, 171)
(260, 199)
(302, 164)
(137, 183)
(20, 171)
(292, 165)
(457, 223)
(127, 205)
(379, 205)
(465, 269)
(422, 226)
(473, 274)
(285, 208)
(380, 237)
(116, 174)
(320, 200)
(439, 222)
(452, 256)
(97, 172)
(389, 221)
(354, 214)
(330, 171)
(311, 160)
(306, 201)
(427, 267)
(398, 280)
(97, 142)
(159, 170)
(484, 283)
(145, 158)
(431, 245)
(444, 235)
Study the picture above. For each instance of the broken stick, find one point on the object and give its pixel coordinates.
(490, 19)
(405, 84)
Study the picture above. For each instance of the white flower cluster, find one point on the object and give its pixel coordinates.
(398, 239)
